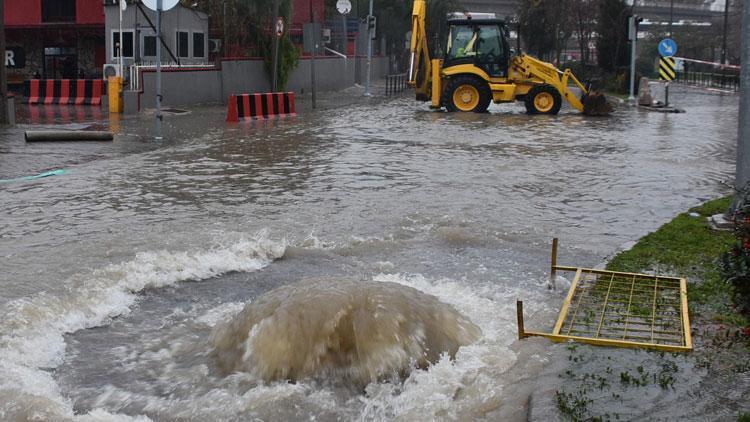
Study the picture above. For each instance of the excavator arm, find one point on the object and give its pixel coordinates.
(420, 66)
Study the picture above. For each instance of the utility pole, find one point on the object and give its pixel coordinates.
(671, 16)
(3, 76)
(724, 38)
(224, 29)
(742, 175)
(346, 39)
(316, 35)
(357, 76)
(275, 58)
(158, 136)
(121, 56)
(369, 53)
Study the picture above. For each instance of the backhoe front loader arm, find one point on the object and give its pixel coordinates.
(529, 69)
(420, 66)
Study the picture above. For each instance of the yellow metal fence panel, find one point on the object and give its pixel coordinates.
(621, 309)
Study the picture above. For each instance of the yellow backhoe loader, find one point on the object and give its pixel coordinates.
(478, 67)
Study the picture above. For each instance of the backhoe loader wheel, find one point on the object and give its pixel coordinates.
(543, 99)
(467, 93)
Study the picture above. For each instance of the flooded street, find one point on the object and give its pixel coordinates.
(116, 273)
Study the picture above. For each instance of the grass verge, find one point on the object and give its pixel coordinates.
(685, 247)
(688, 247)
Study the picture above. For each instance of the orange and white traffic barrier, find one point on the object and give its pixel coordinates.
(260, 106)
(64, 91)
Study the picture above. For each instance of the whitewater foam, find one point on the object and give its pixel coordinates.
(33, 328)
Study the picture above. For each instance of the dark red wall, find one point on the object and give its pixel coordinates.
(23, 12)
(90, 12)
(29, 12)
(302, 11)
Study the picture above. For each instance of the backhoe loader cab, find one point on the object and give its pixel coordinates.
(478, 68)
(482, 43)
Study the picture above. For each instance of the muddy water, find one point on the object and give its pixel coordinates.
(116, 273)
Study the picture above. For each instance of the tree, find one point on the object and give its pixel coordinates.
(534, 27)
(584, 26)
(248, 28)
(612, 40)
(437, 23)
(546, 26)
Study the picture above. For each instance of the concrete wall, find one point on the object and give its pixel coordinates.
(243, 76)
(182, 88)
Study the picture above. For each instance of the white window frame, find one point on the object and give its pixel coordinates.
(192, 45)
(177, 44)
(112, 39)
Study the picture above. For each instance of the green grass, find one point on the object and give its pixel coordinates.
(688, 247)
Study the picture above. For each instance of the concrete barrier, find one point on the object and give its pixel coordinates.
(260, 106)
(64, 91)
(237, 76)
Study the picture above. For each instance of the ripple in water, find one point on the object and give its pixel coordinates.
(357, 331)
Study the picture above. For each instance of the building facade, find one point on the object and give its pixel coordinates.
(53, 38)
(184, 33)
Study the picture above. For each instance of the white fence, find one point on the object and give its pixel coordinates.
(135, 71)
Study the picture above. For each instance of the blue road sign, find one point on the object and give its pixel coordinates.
(667, 47)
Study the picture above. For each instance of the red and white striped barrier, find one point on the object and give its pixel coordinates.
(716, 64)
(64, 91)
(260, 106)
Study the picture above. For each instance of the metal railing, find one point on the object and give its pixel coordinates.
(135, 71)
(395, 83)
(725, 81)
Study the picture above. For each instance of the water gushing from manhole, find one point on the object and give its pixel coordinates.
(359, 331)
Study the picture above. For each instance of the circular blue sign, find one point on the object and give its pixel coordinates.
(667, 47)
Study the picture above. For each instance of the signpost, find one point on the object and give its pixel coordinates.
(123, 6)
(316, 38)
(279, 30)
(667, 49)
(344, 7)
(159, 6)
(370, 22)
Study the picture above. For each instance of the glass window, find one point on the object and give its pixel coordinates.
(490, 45)
(182, 44)
(484, 42)
(462, 42)
(127, 44)
(149, 46)
(199, 45)
(58, 11)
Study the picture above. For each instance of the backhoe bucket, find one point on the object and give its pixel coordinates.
(595, 103)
